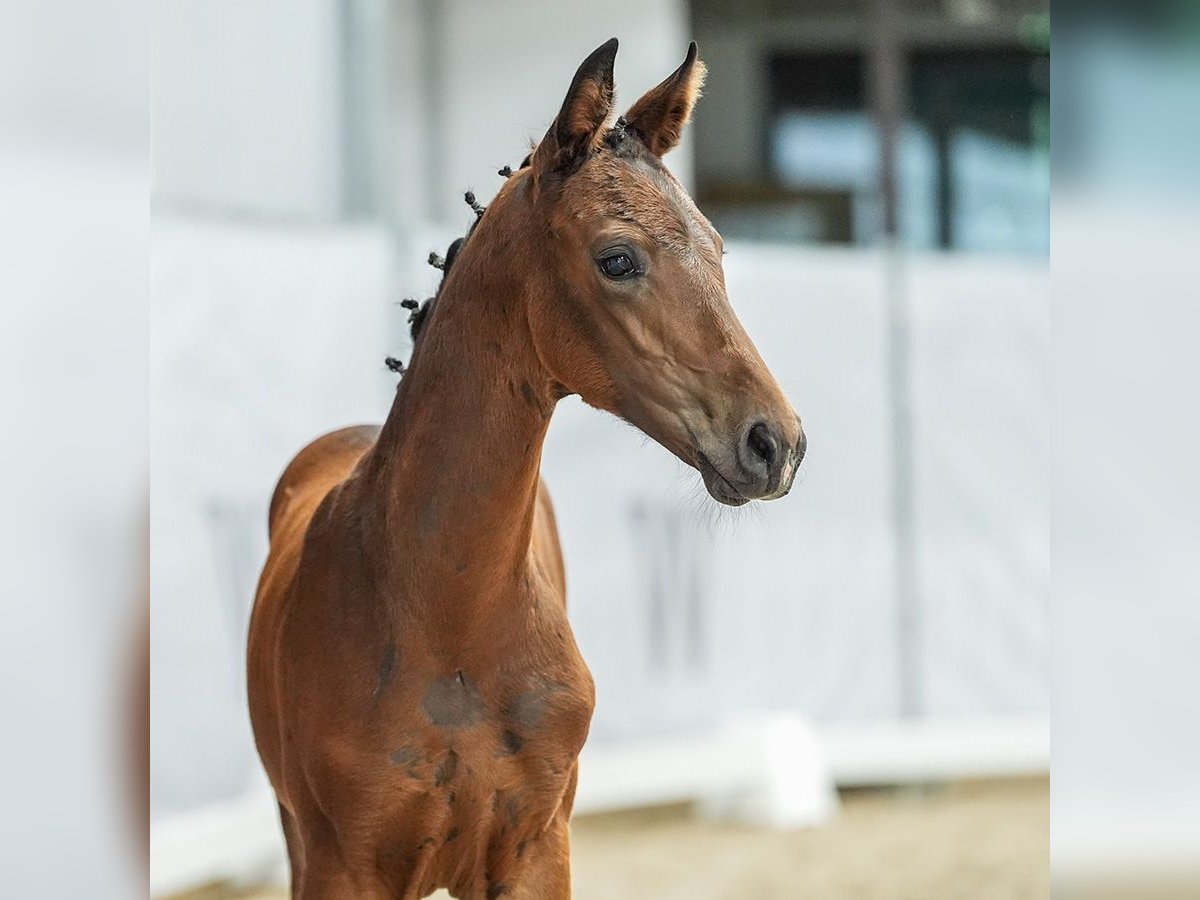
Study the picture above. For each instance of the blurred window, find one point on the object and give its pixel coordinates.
(821, 145)
(820, 157)
(974, 161)
(790, 148)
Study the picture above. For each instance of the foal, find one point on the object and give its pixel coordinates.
(417, 696)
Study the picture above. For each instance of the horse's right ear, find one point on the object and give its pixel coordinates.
(579, 126)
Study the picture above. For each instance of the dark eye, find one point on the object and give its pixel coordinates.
(619, 265)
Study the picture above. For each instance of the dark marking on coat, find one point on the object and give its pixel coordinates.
(461, 567)
(512, 742)
(428, 518)
(520, 851)
(451, 797)
(529, 709)
(452, 835)
(446, 769)
(403, 755)
(497, 890)
(453, 702)
(425, 843)
(512, 811)
(387, 668)
(530, 396)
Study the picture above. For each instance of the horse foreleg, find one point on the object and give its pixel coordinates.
(548, 873)
(325, 877)
(295, 849)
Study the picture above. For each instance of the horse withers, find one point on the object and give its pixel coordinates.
(417, 696)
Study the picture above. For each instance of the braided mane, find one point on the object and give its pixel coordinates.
(419, 311)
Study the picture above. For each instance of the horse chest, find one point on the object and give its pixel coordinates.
(474, 781)
(451, 733)
(441, 751)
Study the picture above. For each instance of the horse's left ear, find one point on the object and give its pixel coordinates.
(658, 118)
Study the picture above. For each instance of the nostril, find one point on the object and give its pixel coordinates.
(762, 444)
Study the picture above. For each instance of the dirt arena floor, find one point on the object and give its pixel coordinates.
(973, 841)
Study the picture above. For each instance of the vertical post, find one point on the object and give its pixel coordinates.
(433, 30)
(372, 156)
(889, 93)
(889, 90)
(354, 175)
(945, 183)
(942, 125)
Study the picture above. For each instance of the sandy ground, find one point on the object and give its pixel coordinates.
(984, 841)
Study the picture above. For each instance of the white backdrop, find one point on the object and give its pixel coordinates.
(687, 614)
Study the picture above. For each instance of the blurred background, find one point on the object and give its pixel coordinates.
(845, 694)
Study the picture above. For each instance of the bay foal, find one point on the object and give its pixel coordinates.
(417, 696)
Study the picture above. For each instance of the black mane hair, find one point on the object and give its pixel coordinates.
(419, 312)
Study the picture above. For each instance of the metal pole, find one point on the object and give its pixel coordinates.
(355, 125)
(888, 80)
(889, 92)
(433, 29)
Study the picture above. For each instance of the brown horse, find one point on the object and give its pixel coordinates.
(417, 696)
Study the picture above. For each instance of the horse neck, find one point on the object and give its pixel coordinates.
(456, 466)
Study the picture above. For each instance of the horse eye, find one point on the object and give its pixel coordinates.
(617, 266)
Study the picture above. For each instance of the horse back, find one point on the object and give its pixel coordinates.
(315, 470)
(308, 478)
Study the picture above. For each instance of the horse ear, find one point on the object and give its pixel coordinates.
(579, 126)
(658, 118)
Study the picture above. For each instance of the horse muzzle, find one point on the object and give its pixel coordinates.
(762, 466)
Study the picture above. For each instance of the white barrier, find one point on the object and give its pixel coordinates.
(770, 771)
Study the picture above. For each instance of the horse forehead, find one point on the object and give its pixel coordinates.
(687, 232)
(699, 228)
(649, 197)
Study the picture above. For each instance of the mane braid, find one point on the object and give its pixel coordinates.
(476, 207)
(621, 141)
(419, 312)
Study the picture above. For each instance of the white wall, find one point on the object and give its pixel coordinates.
(981, 386)
(310, 109)
(263, 338)
(247, 107)
(686, 613)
